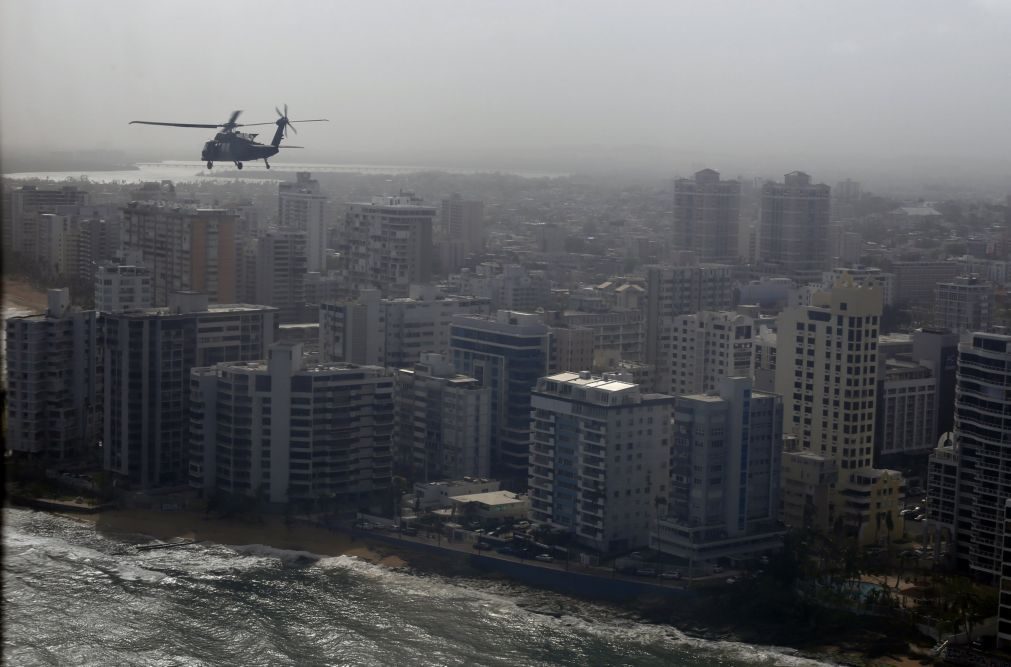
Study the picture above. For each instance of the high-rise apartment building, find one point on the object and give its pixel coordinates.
(724, 475)
(707, 214)
(599, 452)
(964, 303)
(794, 228)
(26, 202)
(302, 207)
(673, 291)
(54, 382)
(186, 249)
(706, 347)
(916, 281)
(443, 421)
(392, 332)
(388, 244)
(280, 272)
(970, 512)
(289, 430)
(148, 355)
(827, 374)
(507, 353)
(120, 287)
(460, 231)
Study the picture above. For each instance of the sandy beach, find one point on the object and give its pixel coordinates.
(271, 532)
(20, 294)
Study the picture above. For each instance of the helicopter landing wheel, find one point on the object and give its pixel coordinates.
(210, 165)
(266, 163)
(239, 165)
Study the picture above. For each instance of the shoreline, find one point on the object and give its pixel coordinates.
(272, 531)
(19, 293)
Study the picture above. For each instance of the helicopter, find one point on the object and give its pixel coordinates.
(239, 147)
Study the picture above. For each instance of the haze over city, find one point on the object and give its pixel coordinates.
(650, 86)
(506, 333)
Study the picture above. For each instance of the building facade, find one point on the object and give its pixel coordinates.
(599, 451)
(388, 244)
(964, 303)
(443, 422)
(185, 248)
(148, 355)
(706, 347)
(827, 373)
(506, 353)
(120, 287)
(707, 214)
(302, 207)
(291, 431)
(794, 229)
(392, 332)
(725, 475)
(54, 382)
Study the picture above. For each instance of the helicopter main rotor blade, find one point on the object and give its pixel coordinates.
(311, 120)
(151, 122)
(232, 118)
(287, 146)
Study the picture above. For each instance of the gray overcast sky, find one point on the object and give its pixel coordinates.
(849, 77)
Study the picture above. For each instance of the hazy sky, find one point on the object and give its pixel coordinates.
(848, 77)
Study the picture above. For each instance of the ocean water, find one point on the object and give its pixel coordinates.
(74, 597)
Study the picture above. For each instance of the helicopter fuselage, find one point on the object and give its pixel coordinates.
(231, 148)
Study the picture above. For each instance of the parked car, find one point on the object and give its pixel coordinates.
(717, 569)
(635, 555)
(731, 580)
(482, 546)
(670, 575)
(506, 551)
(645, 572)
(410, 531)
(546, 558)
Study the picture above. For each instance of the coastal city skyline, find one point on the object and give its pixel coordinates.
(566, 334)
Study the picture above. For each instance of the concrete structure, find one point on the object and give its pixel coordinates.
(916, 281)
(302, 207)
(725, 475)
(826, 371)
(1004, 599)
(964, 303)
(392, 332)
(706, 347)
(979, 453)
(707, 215)
(508, 287)
(389, 244)
(571, 347)
(120, 287)
(599, 452)
(21, 219)
(54, 382)
(280, 273)
(507, 353)
(867, 276)
(794, 228)
(906, 421)
(673, 291)
(148, 355)
(938, 349)
(491, 505)
(435, 495)
(461, 231)
(290, 431)
(185, 248)
(764, 367)
(443, 421)
(617, 335)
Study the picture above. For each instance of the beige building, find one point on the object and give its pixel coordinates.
(826, 371)
(185, 248)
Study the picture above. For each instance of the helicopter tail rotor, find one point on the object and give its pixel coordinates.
(283, 123)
